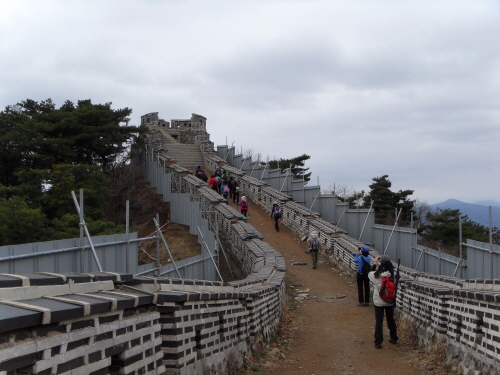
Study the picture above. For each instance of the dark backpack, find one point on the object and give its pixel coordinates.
(366, 266)
(314, 245)
(277, 212)
(244, 204)
(388, 289)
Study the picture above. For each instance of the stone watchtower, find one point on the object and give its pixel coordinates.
(192, 131)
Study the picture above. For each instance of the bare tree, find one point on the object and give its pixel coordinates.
(346, 194)
(421, 209)
(250, 154)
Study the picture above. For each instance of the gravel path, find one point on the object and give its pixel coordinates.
(324, 331)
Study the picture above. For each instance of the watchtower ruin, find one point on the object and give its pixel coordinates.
(190, 131)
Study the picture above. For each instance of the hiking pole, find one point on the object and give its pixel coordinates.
(396, 283)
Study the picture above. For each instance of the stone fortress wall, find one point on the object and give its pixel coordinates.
(105, 322)
(461, 316)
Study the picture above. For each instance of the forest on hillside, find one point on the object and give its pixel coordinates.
(47, 152)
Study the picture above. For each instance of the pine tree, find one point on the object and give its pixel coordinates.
(296, 164)
(385, 201)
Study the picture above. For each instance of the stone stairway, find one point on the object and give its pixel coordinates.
(187, 156)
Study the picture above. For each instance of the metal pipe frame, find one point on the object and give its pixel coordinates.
(367, 216)
(392, 232)
(264, 171)
(286, 176)
(228, 151)
(82, 223)
(254, 165)
(209, 253)
(159, 234)
(481, 248)
(69, 249)
(341, 216)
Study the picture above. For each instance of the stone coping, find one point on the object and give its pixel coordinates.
(47, 305)
(51, 278)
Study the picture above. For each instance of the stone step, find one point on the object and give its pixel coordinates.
(187, 156)
(167, 138)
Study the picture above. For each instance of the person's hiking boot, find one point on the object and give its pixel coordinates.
(393, 341)
(314, 268)
(361, 304)
(367, 304)
(378, 346)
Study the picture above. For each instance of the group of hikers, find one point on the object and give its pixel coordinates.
(225, 185)
(381, 274)
(384, 279)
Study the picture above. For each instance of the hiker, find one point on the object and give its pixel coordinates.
(203, 176)
(276, 215)
(381, 268)
(231, 185)
(225, 191)
(214, 185)
(243, 205)
(362, 258)
(225, 177)
(236, 193)
(219, 184)
(314, 248)
(197, 171)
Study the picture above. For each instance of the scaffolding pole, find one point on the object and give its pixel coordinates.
(160, 234)
(209, 253)
(82, 223)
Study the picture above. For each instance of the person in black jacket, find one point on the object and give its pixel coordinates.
(232, 186)
(362, 258)
(276, 215)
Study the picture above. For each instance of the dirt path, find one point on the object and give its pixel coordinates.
(325, 333)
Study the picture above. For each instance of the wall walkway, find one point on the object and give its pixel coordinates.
(461, 315)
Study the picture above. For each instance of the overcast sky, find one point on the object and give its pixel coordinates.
(410, 89)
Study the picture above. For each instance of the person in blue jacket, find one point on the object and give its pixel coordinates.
(363, 259)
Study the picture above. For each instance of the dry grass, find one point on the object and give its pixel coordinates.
(180, 242)
(407, 331)
(431, 359)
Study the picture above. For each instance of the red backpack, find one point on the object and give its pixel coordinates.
(388, 289)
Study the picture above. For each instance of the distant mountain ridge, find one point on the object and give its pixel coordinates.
(489, 202)
(477, 212)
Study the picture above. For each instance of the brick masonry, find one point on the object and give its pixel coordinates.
(463, 316)
(98, 332)
(144, 325)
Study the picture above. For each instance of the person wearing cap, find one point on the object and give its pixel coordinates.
(276, 215)
(382, 267)
(362, 259)
(314, 248)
